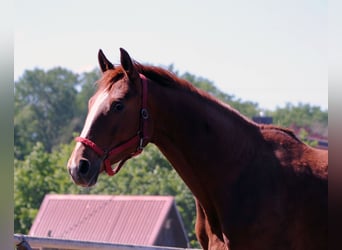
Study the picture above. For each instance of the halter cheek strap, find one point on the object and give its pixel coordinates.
(140, 139)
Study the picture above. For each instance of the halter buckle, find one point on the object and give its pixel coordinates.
(141, 142)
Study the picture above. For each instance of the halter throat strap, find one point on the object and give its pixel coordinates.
(140, 140)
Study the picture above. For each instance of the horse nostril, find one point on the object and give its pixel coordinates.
(83, 167)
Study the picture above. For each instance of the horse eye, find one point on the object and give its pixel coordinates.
(118, 106)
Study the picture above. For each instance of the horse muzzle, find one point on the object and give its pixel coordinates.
(84, 173)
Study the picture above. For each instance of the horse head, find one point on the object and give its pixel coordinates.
(115, 126)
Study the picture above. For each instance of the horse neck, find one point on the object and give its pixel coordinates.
(196, 134)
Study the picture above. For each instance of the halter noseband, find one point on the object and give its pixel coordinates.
(140, 139)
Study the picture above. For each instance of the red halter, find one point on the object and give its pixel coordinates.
(140, 139)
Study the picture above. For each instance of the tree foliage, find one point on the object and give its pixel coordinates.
(44, 104)
(34, 177)
(301, 115)
(50, 107)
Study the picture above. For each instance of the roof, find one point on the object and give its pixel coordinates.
(119, 219)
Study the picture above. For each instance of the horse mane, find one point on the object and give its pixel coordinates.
(158, 75)
(164, 77)
(171, 80)
(154, 73)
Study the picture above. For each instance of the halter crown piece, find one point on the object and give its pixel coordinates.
(140, 139)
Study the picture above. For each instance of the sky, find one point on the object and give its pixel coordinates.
(268, 52)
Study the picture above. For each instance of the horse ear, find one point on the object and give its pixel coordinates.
(105, 64)
(128, 65)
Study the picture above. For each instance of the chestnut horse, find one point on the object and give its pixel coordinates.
(256, 186)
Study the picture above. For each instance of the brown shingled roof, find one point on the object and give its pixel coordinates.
(141, 220)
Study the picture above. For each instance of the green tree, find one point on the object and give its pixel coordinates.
(34, 177)
(302, 115)
(44, 103)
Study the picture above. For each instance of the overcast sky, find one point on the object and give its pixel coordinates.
(269, 52)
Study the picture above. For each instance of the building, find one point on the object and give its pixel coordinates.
(138, 220)
(263, 119)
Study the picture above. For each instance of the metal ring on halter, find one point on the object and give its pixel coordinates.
(144, 114)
